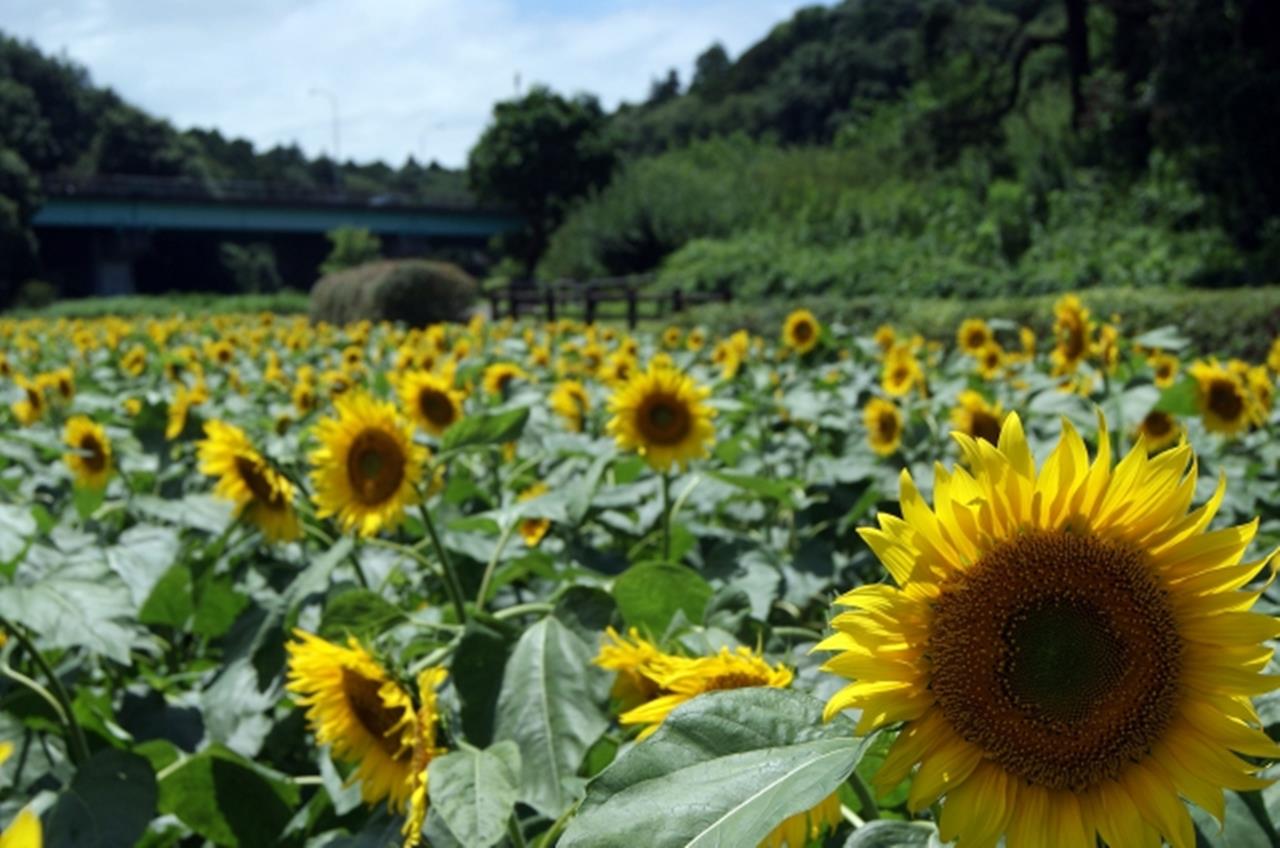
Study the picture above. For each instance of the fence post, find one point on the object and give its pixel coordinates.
(549, 300)
(512, 306)
(590, 317)
(495, 304)
(633, 313)
(677, 300)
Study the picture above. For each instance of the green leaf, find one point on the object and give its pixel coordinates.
(141, 556)
(1179, 399)
(227, 800)
(778, 490)
(109, 803)
(1162, 338)
(87, 499)
(475, 792)
(723, 769)
(359, 613)
(892, 834)
(477, 430)
(547, 708)
(78, 604)
(17, 526)
(649, 595)
(476, 671)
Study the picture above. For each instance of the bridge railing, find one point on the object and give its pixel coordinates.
(243, 191)
(592, 300)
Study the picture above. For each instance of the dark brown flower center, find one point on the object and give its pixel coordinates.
(1157, 424)
(664, 420)
(887, 425)
(1225, 399)
(375, 466)
(802, 331)
(95, 455)
(374, 716)
(1057, 655)
(977, 338)
(984, 425)
(252, 473)
(436, 407)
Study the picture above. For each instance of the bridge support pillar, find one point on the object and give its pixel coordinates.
(114, 255)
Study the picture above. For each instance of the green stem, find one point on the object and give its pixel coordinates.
(483, 594)
(532, 608)
(666, 516)
(78, 746)
(867, 801)
(451, 583)
(514, 833)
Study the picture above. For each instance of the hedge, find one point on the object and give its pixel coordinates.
(415, 291)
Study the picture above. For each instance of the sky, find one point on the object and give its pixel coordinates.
(408, 76)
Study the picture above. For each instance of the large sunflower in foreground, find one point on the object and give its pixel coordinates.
(366, 718)
(262, 495)
(1069, 650)
(367, 465)
(89, 457)
(660, 414)
(431, 400)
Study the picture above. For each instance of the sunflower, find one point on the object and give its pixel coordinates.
(1223, 398)
(973, 336)
(1109, 347)
(990, 361)
(660, 414)
(801, 331)
(806, 827)
(618, 369)
(24, 832)
(1027, 338)
(901, 372)
(671, 337)
(367, 466)
(360, 711)
(569, 400)
(1273, 356)
(636, 661)
(884, 337)
(681, 678)
(499, 377)
(31, 408)
(1164, 369)
(883, 420)
(303, 396)
(180, 406)
(1068, 651)
(1073, 331)
(975, 417)
(90, 455)
(426, 748)
(262, 495)
(1158, 430)
(533, 529)
(1261, 390)
(696, 339)
(431, 400)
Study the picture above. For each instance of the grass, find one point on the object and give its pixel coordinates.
(287, 302)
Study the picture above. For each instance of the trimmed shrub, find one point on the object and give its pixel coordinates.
(415, 291)
(35, 294)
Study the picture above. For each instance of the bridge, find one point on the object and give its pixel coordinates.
(94, 231)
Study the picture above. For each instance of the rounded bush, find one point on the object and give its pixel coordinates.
(415, 291)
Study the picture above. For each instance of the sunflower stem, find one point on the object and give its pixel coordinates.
(483, 593)
(78, 746)
(451, 583)
(514, 833)
(666, 516)
(868, 808)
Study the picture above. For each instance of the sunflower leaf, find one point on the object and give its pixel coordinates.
(1179, 399)
(649, 594)
(480, 430)
(475, 792)
(723, 769)
(547, 707)
(892, 834)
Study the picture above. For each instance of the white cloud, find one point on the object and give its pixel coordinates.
(410, 76)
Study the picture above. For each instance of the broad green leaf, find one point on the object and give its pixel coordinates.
(477, 430)
(723, 769)
(228, 800)
(78, 605)
(778, 490)
(1180, 398)
(170, 602)
(547, 708)
(109, 803)
(648, 595)
(476, 672)
(892, 834)
(359, 613)
(17, 526)
(141, 556)
(1162, 338)
(475, 792)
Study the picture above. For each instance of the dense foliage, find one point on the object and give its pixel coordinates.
(269, 583)
(415, 291)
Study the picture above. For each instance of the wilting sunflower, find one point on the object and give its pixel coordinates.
(499, 377)
(1164, 369)
(262, 495)
(90, 455)
(1069, 650)
(801, 331)
(637, 662)
(532, 530)
(367, 465)
(975, 417)
(1223, 398)
(570, 401)
(973, 336)
(1158, 430)
(883, 420)
(660, 414)
(431, 401)
(682, 678)
(358, 710)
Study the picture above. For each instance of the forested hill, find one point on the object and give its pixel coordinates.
(964, 147)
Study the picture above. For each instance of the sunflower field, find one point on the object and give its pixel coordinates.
(270, 583)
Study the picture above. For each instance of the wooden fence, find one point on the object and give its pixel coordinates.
(594, 299)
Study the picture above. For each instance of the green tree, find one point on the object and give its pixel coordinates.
(252, 267)
(352, 246)
(540, 153)
(19, 196)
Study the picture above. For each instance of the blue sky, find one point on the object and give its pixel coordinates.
(409, 76)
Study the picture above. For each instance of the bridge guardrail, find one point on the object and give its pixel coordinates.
(586, 298)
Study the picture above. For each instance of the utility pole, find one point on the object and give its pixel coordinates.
(337, 127)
